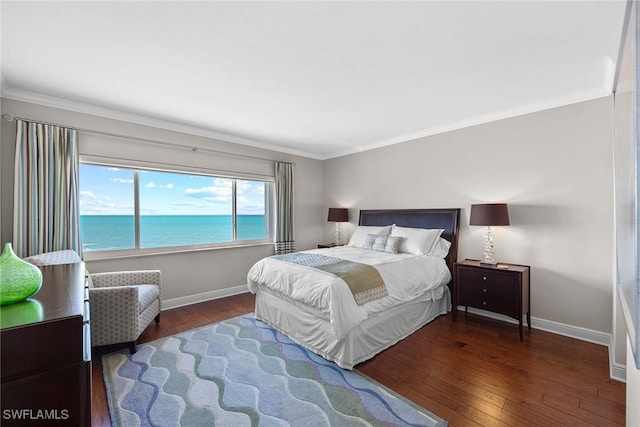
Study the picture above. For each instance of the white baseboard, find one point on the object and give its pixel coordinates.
(205, 296)
(616, 371)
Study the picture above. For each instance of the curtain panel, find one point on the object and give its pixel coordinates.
(46, 211)
(285, 224)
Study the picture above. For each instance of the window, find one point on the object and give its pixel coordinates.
(124, 209)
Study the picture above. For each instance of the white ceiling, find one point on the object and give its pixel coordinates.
(320, 79)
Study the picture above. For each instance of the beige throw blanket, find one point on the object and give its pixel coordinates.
(363, 280)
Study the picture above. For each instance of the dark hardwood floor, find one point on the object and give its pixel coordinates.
(471, 372)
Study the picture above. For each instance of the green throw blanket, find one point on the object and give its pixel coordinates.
(363, 280)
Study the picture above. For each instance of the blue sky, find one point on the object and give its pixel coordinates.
(109, 191)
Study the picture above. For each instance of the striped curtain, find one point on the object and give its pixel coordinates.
(285, 225)
(45, 210)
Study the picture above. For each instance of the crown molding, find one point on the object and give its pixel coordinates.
(595, 93)
(140, 119)
(86, 108)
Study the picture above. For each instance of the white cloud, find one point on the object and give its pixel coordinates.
(250, 187)
(242, 186)
(88, 194)
(222, 182)
(152, 184)
(121, 180)
(104, 207)
(209, 192)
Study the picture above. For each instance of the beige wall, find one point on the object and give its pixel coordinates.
(185, 275)
(553, 168)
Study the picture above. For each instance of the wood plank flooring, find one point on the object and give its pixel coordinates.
(472, 372)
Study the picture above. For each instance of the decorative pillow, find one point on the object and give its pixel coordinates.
(375, 242)
(441, 248)
(360, 234)
(380, 243)
(369, 240)
(393, 244)
(417, 241)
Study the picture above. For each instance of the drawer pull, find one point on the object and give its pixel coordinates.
(484, 277)
(484, 303)
(484, 290)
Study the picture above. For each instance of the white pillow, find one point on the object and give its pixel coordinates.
(417, 241)
(360, 234)
(441, 248)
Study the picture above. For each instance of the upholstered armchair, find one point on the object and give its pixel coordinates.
(122, 303)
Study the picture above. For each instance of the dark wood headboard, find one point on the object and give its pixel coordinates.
(448, 219)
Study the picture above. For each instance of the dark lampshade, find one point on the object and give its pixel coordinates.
(338, 215)
(489, 214)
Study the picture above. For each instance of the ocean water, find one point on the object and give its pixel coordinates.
(112, 232)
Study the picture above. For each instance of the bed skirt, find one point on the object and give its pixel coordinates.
(306, 327)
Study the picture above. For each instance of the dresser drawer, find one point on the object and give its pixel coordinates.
(48, 391)
(40, 346)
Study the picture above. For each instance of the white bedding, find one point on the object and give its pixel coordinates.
(406, 276)
(376, 333)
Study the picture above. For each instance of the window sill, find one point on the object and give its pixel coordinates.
(132, 253)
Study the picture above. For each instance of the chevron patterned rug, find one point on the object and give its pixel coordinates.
(241, 372)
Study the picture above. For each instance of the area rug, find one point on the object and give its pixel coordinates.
(241, 372)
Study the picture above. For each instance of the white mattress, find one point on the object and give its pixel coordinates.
(376, 333)
(408, 278)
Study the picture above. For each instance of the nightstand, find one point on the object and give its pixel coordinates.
(500, 290)
(327, 245)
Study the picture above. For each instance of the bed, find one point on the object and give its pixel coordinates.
(317, 309)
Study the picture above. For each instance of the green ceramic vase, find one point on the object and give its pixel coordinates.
(18, 279)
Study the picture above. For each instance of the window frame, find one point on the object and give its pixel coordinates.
(269, 206)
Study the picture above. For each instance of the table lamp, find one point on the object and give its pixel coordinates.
(489, 215)
(338, 215)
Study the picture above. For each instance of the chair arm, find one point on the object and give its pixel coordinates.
(127, 278)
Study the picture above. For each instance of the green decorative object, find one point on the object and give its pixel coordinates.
(18, 279)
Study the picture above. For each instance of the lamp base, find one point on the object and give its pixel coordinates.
(488, 252)
(488, 264)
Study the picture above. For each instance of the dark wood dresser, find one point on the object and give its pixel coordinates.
(45, 355)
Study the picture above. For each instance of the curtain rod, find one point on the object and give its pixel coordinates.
(10, 118)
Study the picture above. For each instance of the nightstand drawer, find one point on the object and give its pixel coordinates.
(472, 276)
(493, 293)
